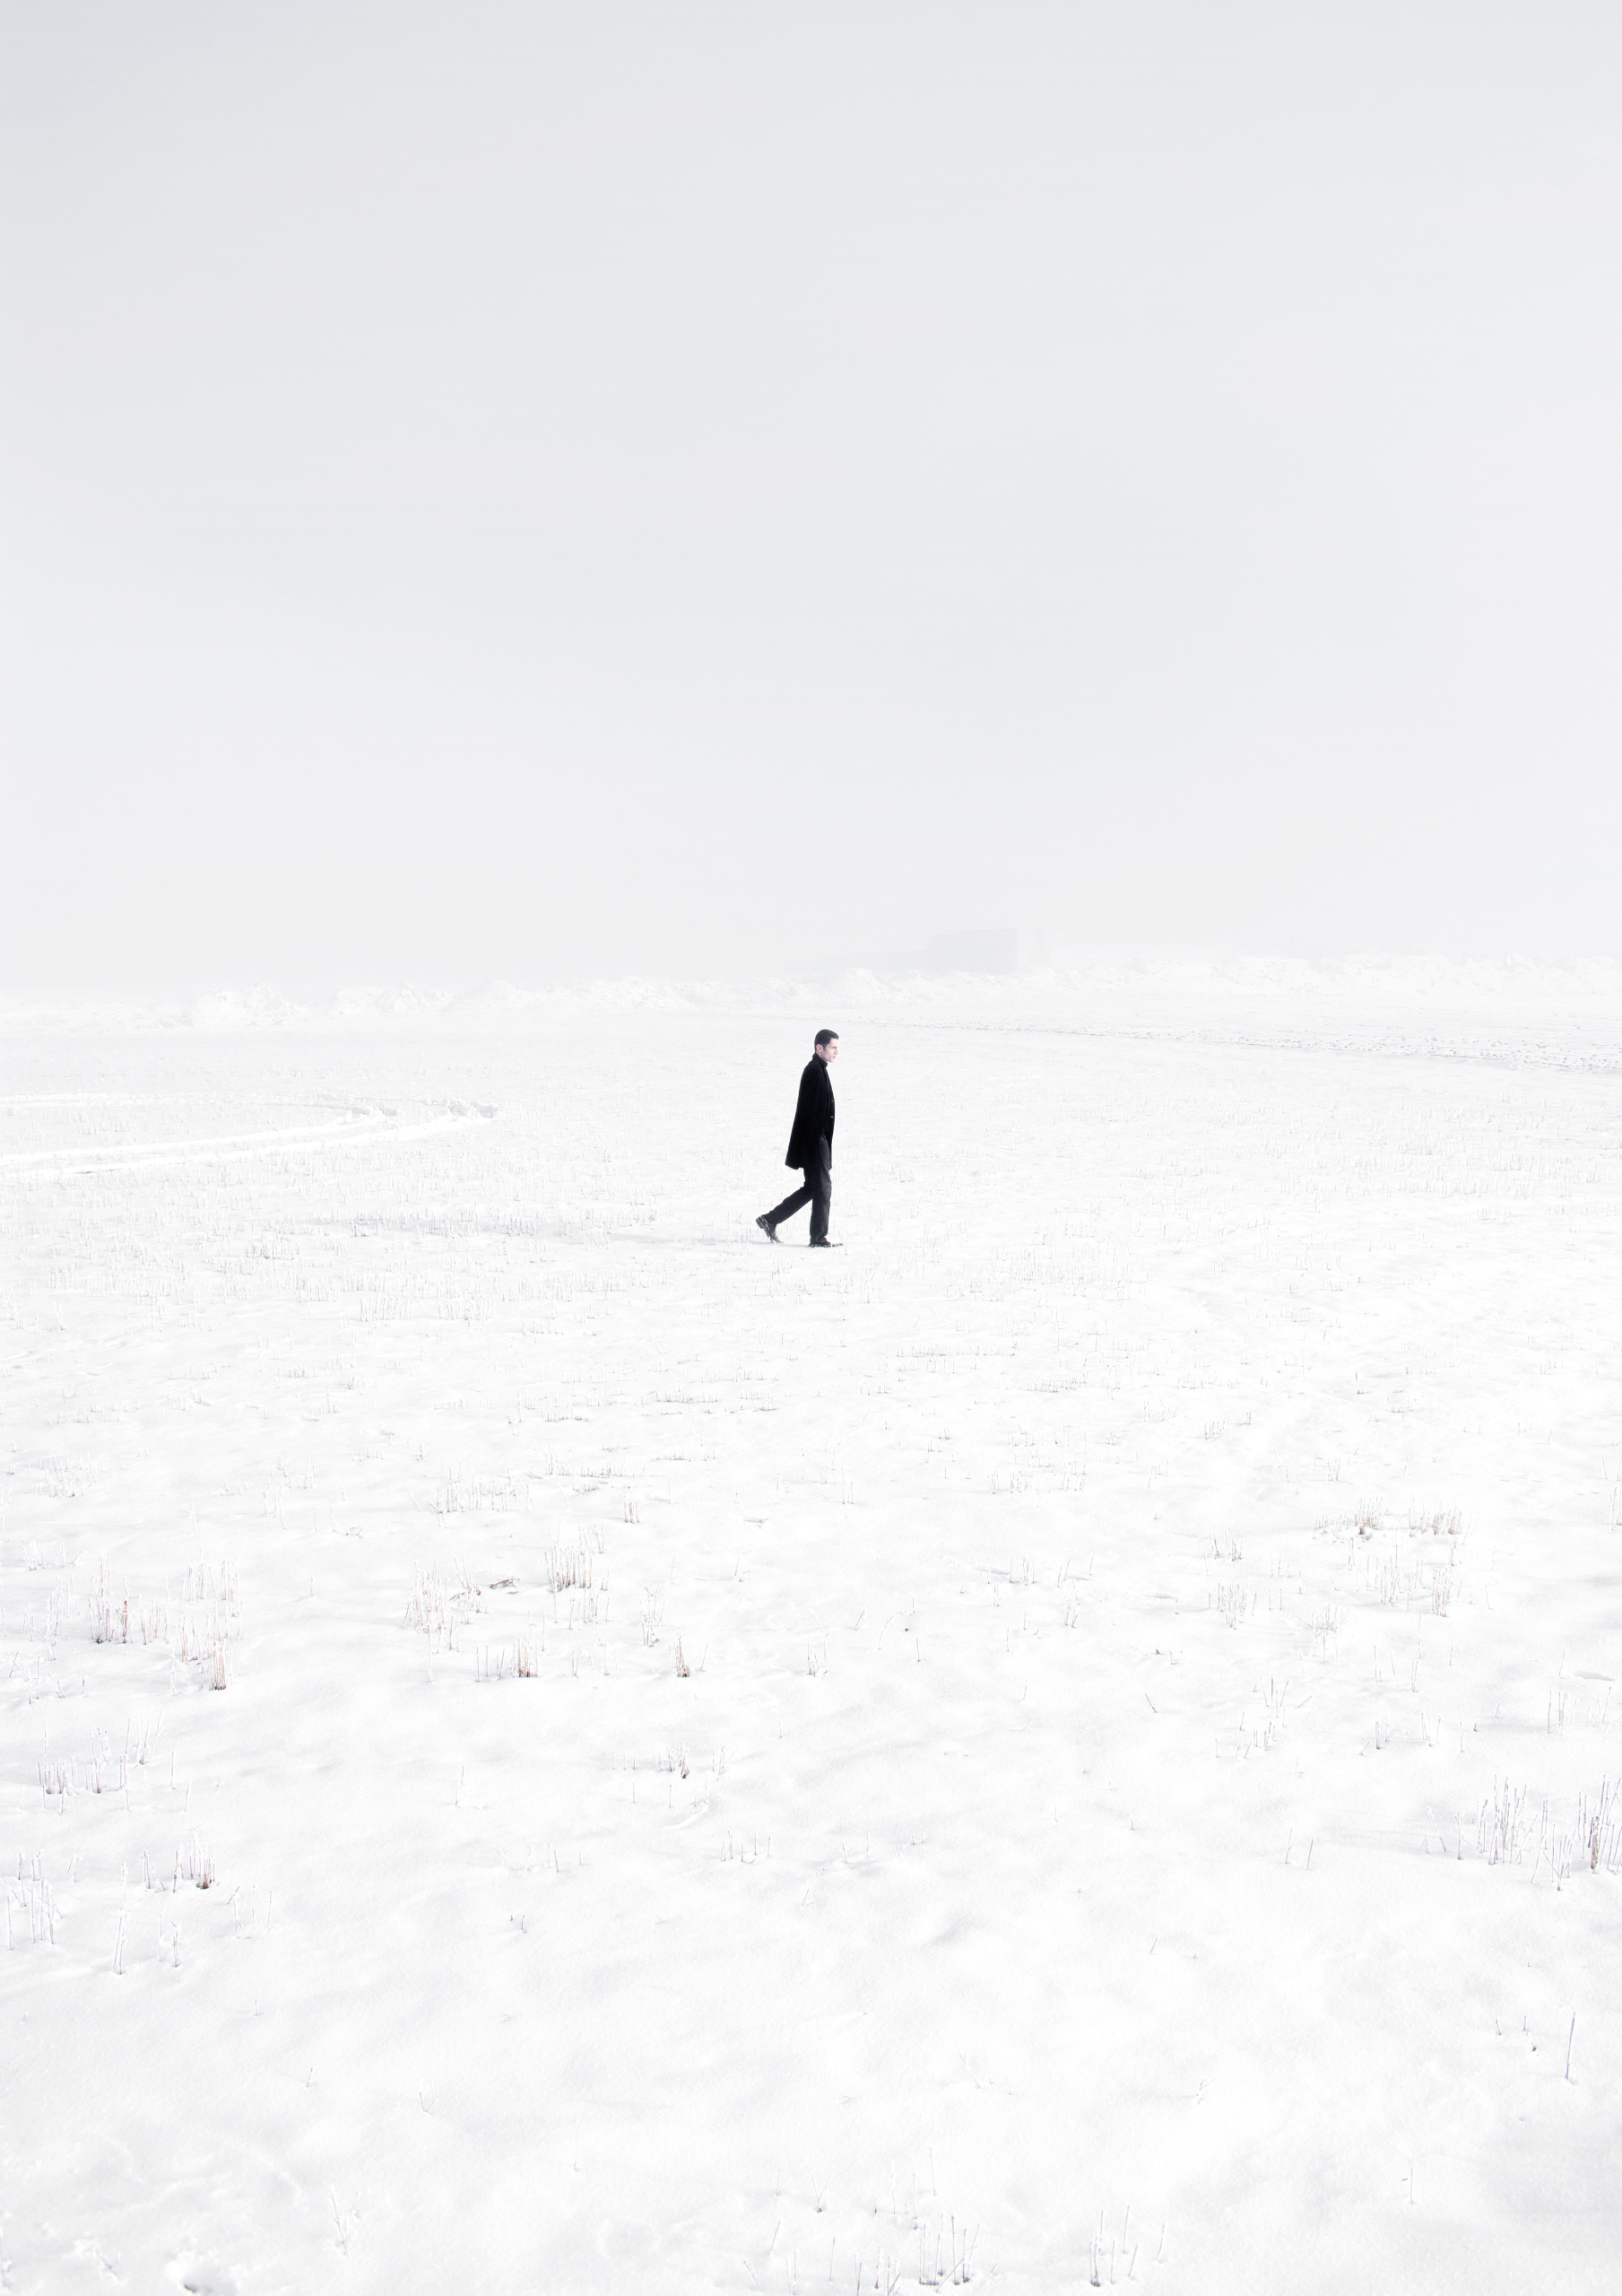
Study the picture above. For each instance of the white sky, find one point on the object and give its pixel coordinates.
(526, 490)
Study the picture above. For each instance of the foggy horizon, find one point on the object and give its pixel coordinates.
(527, 495)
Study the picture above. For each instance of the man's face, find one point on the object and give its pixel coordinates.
(828, 1051)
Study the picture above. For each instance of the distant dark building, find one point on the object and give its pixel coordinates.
(993, 952)
(998, 950)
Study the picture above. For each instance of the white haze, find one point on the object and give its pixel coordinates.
(530, 491)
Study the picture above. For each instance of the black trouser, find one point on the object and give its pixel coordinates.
(818, 1192)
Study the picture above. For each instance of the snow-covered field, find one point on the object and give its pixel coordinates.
(1076, 1741)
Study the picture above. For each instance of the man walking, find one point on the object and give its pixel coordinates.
(810, 1145)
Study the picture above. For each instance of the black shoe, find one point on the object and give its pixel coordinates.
(821, 1244)
(767, 1227)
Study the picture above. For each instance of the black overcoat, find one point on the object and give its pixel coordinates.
(813, 1115)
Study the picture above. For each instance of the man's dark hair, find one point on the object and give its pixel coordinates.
(826, 1036)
